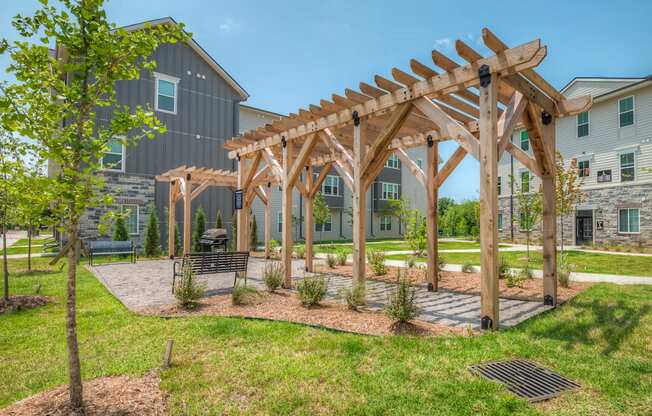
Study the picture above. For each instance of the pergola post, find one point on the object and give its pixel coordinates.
(242, 215)
(187, 213)
(310, 227)
(431, 214)
(358, 191)
(549, 215)
(286, 207)
(268, 220)
(174, 190)
(488, 199)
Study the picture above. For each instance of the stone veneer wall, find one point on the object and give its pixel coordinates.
(605, 203)
(126, 189)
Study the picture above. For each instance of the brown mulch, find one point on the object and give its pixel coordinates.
(105, 396)
(285, 306)
(467, 283)
(20, 303)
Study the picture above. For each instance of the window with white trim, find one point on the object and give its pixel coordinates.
(604, 175)
(327, 226)
(629, 220)
(279, 222)
(131, 218)
(385, 223)
(627, 167)
(583, 124)
(113, 158)
(626, 111)
(420, 163)
(525, 141)
(389, 191)
(331, 186)
(500, 221)
(392, 162)
(166, 93)
(584, 168)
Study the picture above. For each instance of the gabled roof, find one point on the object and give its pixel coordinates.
(199, 50)
(630, 84)
(262, 110)
(599, 79)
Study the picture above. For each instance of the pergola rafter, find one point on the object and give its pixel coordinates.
(478, 104)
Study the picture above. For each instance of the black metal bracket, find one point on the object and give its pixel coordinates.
(188, 176)
(548, 300)
(486, 323)
(546, 117)
(238, 156)
(356, 118)
(269, 184)
(283, 141)
(431, 287)
(430, 141)
(484, 73)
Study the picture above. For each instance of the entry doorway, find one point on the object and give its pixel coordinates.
(584, 227)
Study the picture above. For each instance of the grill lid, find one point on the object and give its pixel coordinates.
(214, 234)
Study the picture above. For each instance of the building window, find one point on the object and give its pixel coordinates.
(331, 186)
(420, 163)
(604, 175)
(392, 162)
(166, 93)
(279, 222)
(385, 223)
(131, 218)
(500, 220)
(327, 226)
(113, 159)
(525, 181)
(499, 185)
(583, 124)
(389, 191)
(626, 111)
(629, 220)
(627, 170)
(525, 141)
(583, 168)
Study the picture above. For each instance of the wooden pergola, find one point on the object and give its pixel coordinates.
(477, 104)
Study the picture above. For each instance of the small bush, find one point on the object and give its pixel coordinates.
(354, 296)
(563, 277)
(273, 276)
(300, 251)
(273, 247)
(188, 291)
(467, 267)
(331, 260)
(411, 261)
(503, 267)
(440, 262)
(376, 259)
(341, 256)
(243, 294)
(312, 290)
(401, 305)
(516, 278)
(526, 272)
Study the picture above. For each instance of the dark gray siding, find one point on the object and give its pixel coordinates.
(207, 115)
(389, 175)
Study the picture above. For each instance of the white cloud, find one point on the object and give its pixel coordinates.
(229, 25)
(443, 43)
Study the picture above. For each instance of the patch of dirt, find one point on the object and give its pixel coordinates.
(468, 283)
(21, 303)
(285, 306)
(105, 396)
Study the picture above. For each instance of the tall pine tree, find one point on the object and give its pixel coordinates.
(198, 229)
(218, 220)
(152, 243)
(253, 238)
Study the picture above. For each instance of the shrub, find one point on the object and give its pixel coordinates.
(440, 262)
(467, 267)
(331, 260)
(273, 276)
(152, 243)
(503, 267)
(273, 247)
(341, 256)
(120, 230)
(198, 228)
(376, 259)
(526, 272)
(516, 278)
(411, 261)
(300, 251)
(312, 290)
(253, 234)
(188, 291)
(401, 305)
(243, 294)
(354, 296)
(563, 276)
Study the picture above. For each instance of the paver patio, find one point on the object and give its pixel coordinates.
(148, 282)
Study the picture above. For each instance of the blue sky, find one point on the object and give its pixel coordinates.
(288, 54)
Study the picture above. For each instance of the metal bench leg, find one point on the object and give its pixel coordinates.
(174, 278)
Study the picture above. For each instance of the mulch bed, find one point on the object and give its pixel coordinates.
(285, 306)
(20, 303)
(468, 283)
(106, 396)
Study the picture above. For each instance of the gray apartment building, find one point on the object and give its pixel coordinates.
(612, 145)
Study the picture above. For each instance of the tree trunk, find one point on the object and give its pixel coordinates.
(5, 262)
(29, 248)
(74, 367)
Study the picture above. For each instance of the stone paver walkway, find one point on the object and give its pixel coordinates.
(148, 283)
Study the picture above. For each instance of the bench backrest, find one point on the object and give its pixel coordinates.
(110, 246)
(217, 262)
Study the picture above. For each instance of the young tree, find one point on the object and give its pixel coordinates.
(320, 213)
(198, 229)
(55, 103)
(152, 243)
(399, 209)
(416, 231)
(218, 220)
(253, 234)
(568, 191)
(120, 232)
(530, 210)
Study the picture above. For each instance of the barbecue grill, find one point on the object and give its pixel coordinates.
(213, 238)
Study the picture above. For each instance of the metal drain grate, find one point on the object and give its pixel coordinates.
(525, 379)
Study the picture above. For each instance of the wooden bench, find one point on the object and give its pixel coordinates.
(111, 248)
(212, 263)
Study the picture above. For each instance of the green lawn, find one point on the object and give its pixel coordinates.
(602, 339)
(20, 246)
(394, 245)
(584, 262)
